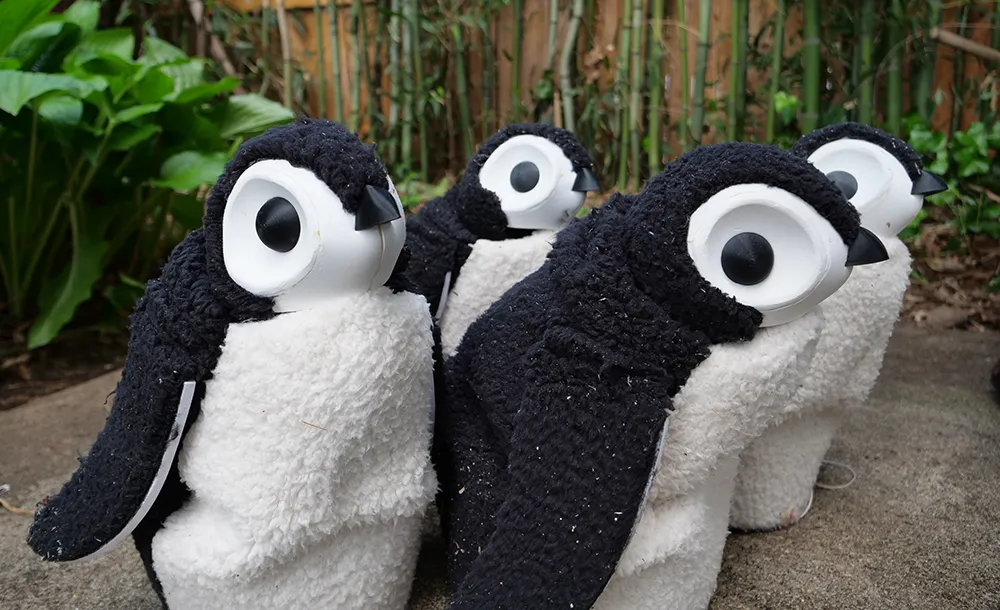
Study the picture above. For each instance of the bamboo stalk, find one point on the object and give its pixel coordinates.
(553, 21)
(515, 71)
(338, 102)
(367, 71)
(420, 95)
(265, 28)
(925, 97)
(866, 93)
(357, 51)
(621, 86)
(958, 88)
(489, 74)
(462, 89)
(565, 65)
(638, 11)
(655, 70)
(738, 69)
(700, 67)
(378, 66)
(811, 59)
(682, 120)
(394, 75)
(320, 70)
(894, 84)
(780, 16)
(286, 53)
(406, 146)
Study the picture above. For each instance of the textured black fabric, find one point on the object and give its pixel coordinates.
(812, 141)
(440, 235)
(177, 330)
(557, 396)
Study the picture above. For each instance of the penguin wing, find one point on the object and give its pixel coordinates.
(439, 245)
(177, 330)
(584, 447)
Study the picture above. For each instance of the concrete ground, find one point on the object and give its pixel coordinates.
(919, 529)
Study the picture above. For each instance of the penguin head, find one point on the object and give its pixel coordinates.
(538, 176)
(737, 234)
(302, 214)
(878, 173)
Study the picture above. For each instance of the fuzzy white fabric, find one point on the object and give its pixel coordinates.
(493, 267)
(309, 463)
(778, 471)
(675, 553)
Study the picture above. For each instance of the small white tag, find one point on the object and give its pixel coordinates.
(444, 296)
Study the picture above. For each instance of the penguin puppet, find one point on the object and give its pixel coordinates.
(269, 441)
(885, 180)
(557, 398)
(497, 224)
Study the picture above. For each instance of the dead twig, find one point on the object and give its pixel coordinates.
(218, 51)
(961, 42)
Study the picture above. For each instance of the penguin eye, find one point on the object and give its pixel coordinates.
(278, 225)
(767, 249)
(747, 259)
(847, 183)
(524, 176)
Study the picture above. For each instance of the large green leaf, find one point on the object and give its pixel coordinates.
(133, 112)
(72, 287)
(127, 137)
(191, 169)
(16, 16)
(206, 91)
(154, 86)
(117, 41)
(85, 14)
(20, 88)
(61, 110)
(250, 114)
(43, 47)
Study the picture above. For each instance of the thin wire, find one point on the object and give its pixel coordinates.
(854, 476)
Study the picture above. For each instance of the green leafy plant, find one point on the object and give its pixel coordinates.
(105, 153)
(972, 173)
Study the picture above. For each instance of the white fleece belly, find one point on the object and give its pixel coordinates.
(675, 553)
(779, 469)
(309, 463)
(493, 267)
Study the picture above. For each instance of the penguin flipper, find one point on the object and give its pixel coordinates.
(177, 331)
(583, 450)
(439, 244)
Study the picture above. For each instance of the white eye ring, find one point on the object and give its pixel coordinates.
(807, 256)
(533, 179)
(257, 268)
(883, 195)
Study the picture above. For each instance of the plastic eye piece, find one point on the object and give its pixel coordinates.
(278, 224)
(747, 259)
(847, 183)
(524, 176)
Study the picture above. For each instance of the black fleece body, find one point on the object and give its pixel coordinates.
(812, 141)
(441, 234)
(177, 330)
(557, 397)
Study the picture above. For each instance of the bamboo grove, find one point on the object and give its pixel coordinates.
(639, 81)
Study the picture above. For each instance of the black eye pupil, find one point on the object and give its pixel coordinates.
(278, 224)
(847, 183)
(747, 259)
(524, 176)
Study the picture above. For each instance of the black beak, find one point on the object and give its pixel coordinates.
(866, 249)
(586, 180)
(928, 184)
(378, 207)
